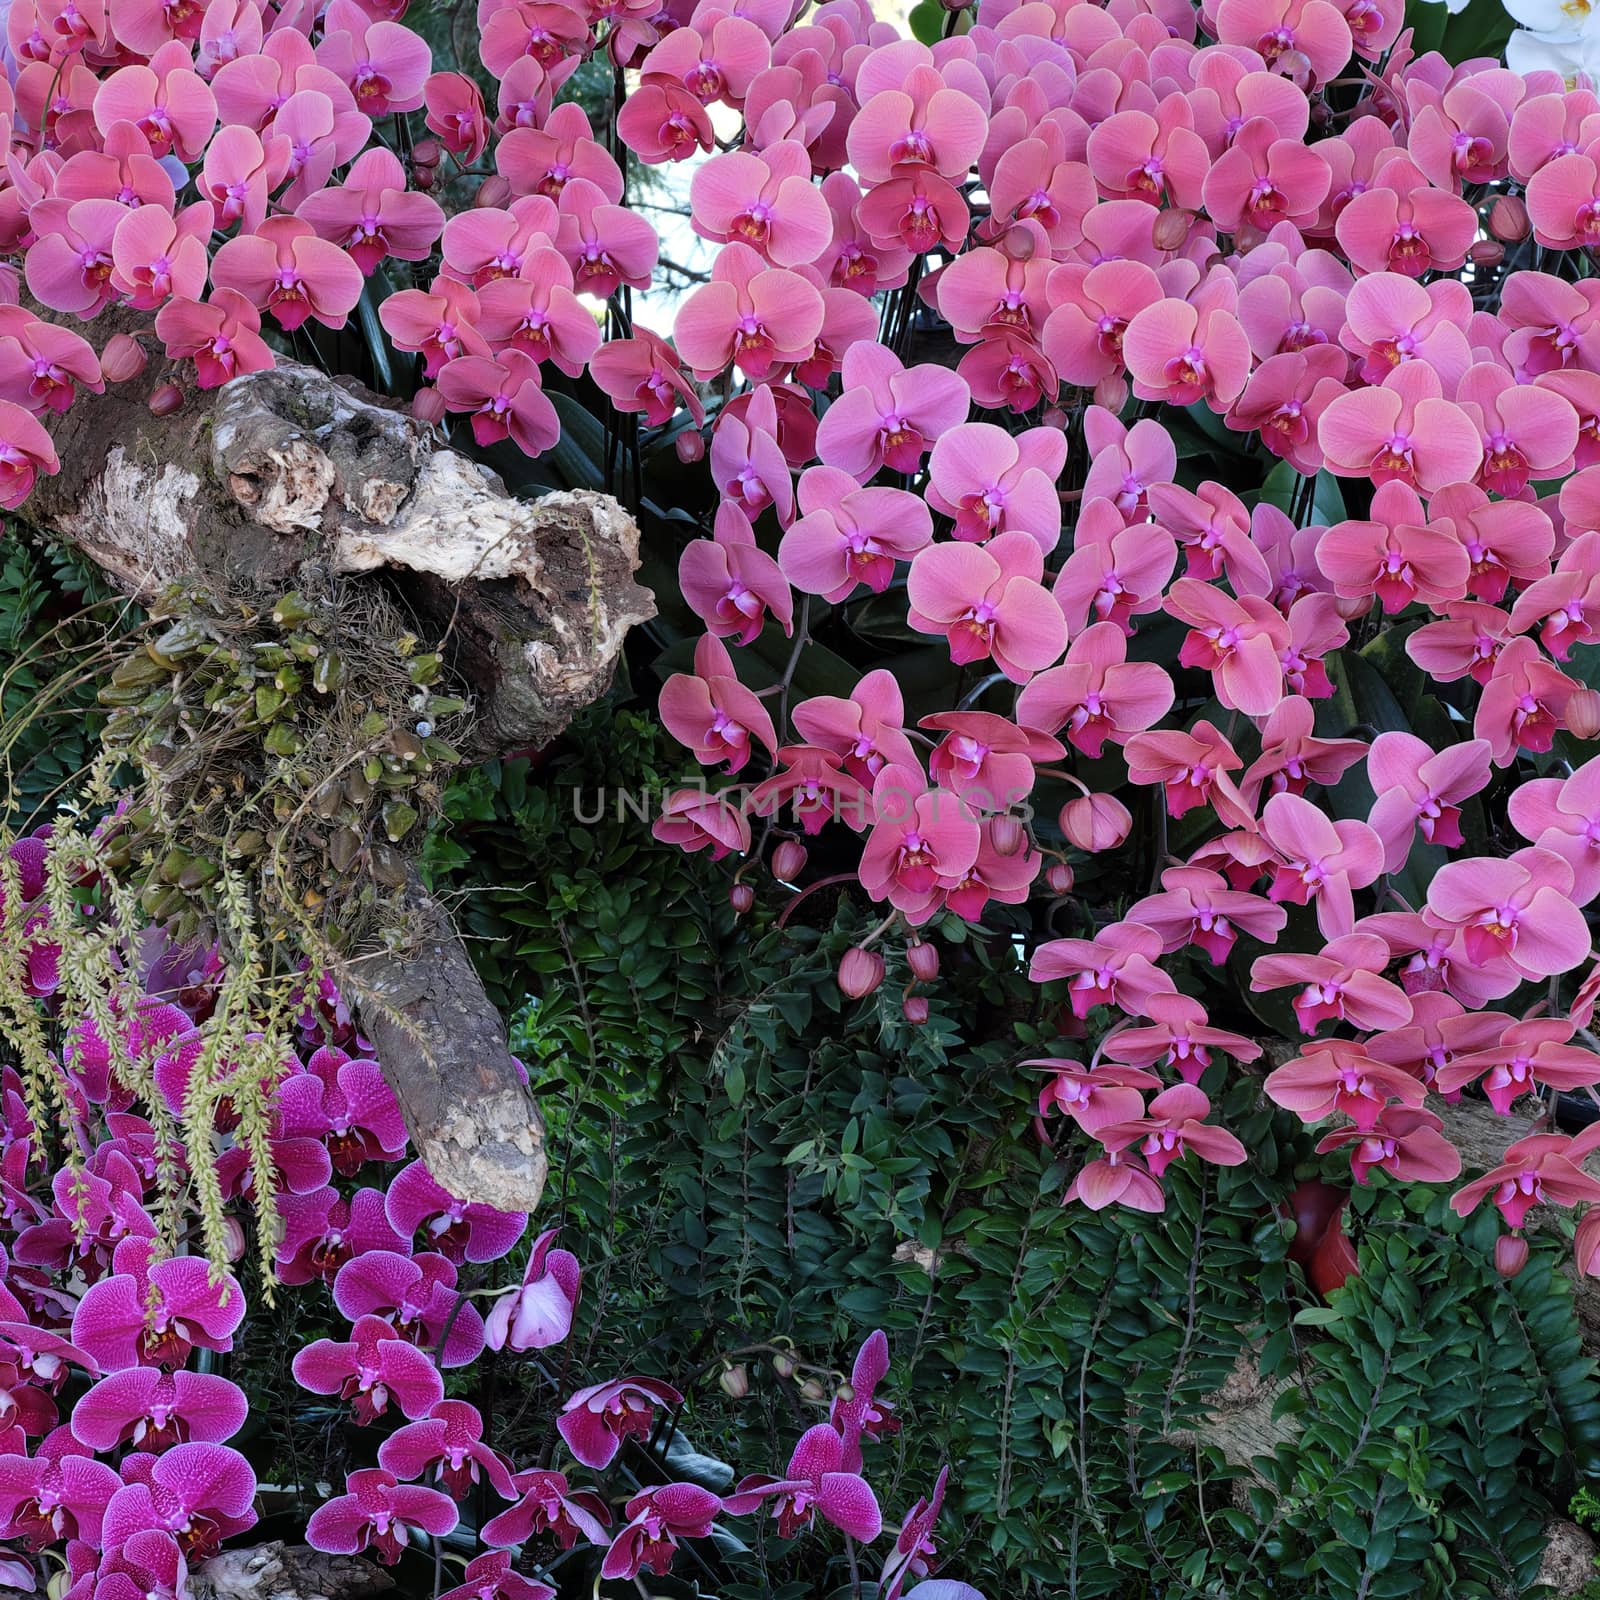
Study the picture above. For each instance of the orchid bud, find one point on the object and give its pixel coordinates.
(784, 1365)
(167, 399)
(1111, 392)
(1059, 878)
(1172, 228)
(1054, 417)
(1095, 822)
(493, 191)
(845, 1393)
(955, 5)
(691, 446)
(427, 153)
(1583, 714)
(1019, 243)
(427, 405)
(1486, 253)
(423, 178)
(860, 972)
(233, 1238)
(734, 1381)
(742, 898)
(1246, 237)
(1510, 1254)
(1007, 835)
(1508, 219)
(814, 1390)
(123, 358)
(1586, 1243)
(1295, 65)
(789, 859)
(915, 1008)
(923, 959)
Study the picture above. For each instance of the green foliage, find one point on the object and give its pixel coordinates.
(756, 1168)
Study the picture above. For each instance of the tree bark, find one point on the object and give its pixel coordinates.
(289, 478)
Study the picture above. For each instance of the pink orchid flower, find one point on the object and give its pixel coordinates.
(1193, 770)
(605, 245)
(643, 374)
(417, 1296)
(240, 172)
(547, 1505)
(1090, 312)
(597, 1421)
(986, 759)
(748, 465)
(1468, 641)
(1264, 178)
(1284, 400)
(448, 1442)
(167, 100)
(1523, 703)
(1405, 225)
(1124, 463)
(1097, 693)
(1115, 968)
(657, 1519)
(766, 200)
(1538, 1170)
(1213, 528)
(384, 64)
(1391, 319)
(1529, 1056)
(731, 583)
(756, 316)
(1118, 1178)
(988, 601)
(25, 452)
(847, 535)
(991, 481)
(1179, 1036)
(911, 116)
(1238, 642)
(1324, 860)
(1196, 906)
(1174, 1125)
(1154, 156)
(1527, 432)
(490, 1577)
(42, 365)
(457, 119)
(888, 414)
(1182, 352)
(1314, 28)
(1505, 540)
(221, 336)
(1417, 788)
(492, 242)
(1563, 815)
(287, 270)
(923, 842)
(1395, 554)
(1093, 1098)
(814, 1482)
(540, 160)
(1514, 912)
(538, 313)
(1403, 430)
(1564, 603)
(1407, 1142)
(372, 1367)
(68, 266)
(1333, 1076)
(986, 293)
(712, 713)
(866, 732)
(504, 395)
(1341, 983)
(373, 215)
(1115, 572)
(460, 1230)
(59, 1493)
(695, 820)
(1292, 758)
(379, 1512)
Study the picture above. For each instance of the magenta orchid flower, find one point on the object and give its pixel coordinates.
(151, 1409)
(813, 1483)
(415, 1294)
(461, 1230)
(540, 1312)
(657, 1519)
(348, 1105)
(596, 1421)
(199, 1494)
(548, 1506)
(448, 1442)
(490, 1577)
(59, 1493)
(861, 1415)
(372, 1367)
(322, 1231)
(379, 1512)
(914, 1551)
(156, 1312)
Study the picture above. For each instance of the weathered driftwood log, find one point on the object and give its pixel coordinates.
(275, 1571)
(287, 479)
